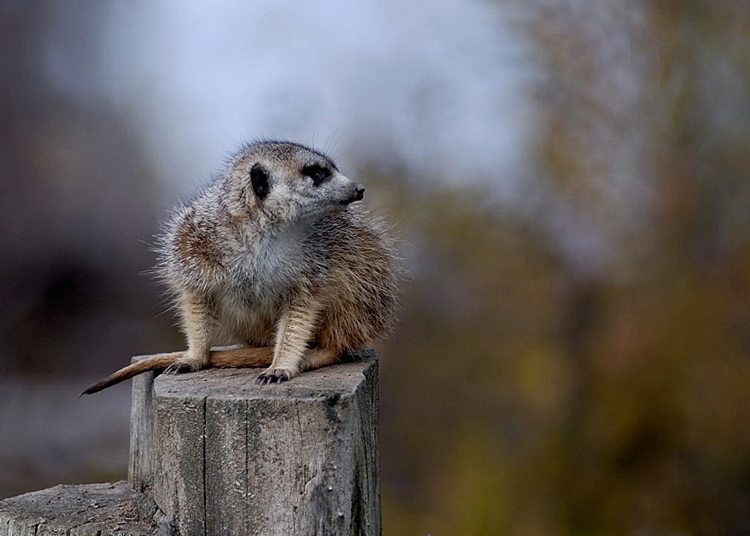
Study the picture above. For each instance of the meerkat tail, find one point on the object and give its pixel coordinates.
(242, 357)
(235, 357)
(155, 362)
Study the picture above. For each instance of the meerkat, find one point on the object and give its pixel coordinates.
(278, 255)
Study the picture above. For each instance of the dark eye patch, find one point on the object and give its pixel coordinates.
(259, 180)
(317, 173)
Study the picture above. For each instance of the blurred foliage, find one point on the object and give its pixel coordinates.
(599, 385)
(576, 365)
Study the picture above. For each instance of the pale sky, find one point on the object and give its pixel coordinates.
(438, 87)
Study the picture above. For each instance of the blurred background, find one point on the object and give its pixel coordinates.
(571, 181)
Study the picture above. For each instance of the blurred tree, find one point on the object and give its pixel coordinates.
(581, 365)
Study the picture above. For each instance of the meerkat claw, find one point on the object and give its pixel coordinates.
(274, 376)
(175, 368)
(283, 376)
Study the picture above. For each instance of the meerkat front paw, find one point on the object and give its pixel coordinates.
(176, 367)
(275, 375)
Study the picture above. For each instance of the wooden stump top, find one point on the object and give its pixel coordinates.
(342, 379)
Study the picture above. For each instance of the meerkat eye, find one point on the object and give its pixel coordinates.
(317, 173)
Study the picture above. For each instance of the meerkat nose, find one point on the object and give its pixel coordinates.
(359, 192)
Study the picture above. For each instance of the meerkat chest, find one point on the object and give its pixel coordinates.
(271, 264)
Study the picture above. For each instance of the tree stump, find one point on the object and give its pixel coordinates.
(212, 453)
(222, 455)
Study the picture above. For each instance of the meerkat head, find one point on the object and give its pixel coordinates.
(286, 181)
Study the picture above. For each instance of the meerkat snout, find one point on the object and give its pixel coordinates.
(359, 192)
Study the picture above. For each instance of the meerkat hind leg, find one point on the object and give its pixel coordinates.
(198, 326)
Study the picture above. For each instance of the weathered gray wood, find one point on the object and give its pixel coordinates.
(226, 466)
(178, 462)
(141, 431)
(232, 457)
(82, 510)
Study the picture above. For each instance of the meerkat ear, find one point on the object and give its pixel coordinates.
(259, 180)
